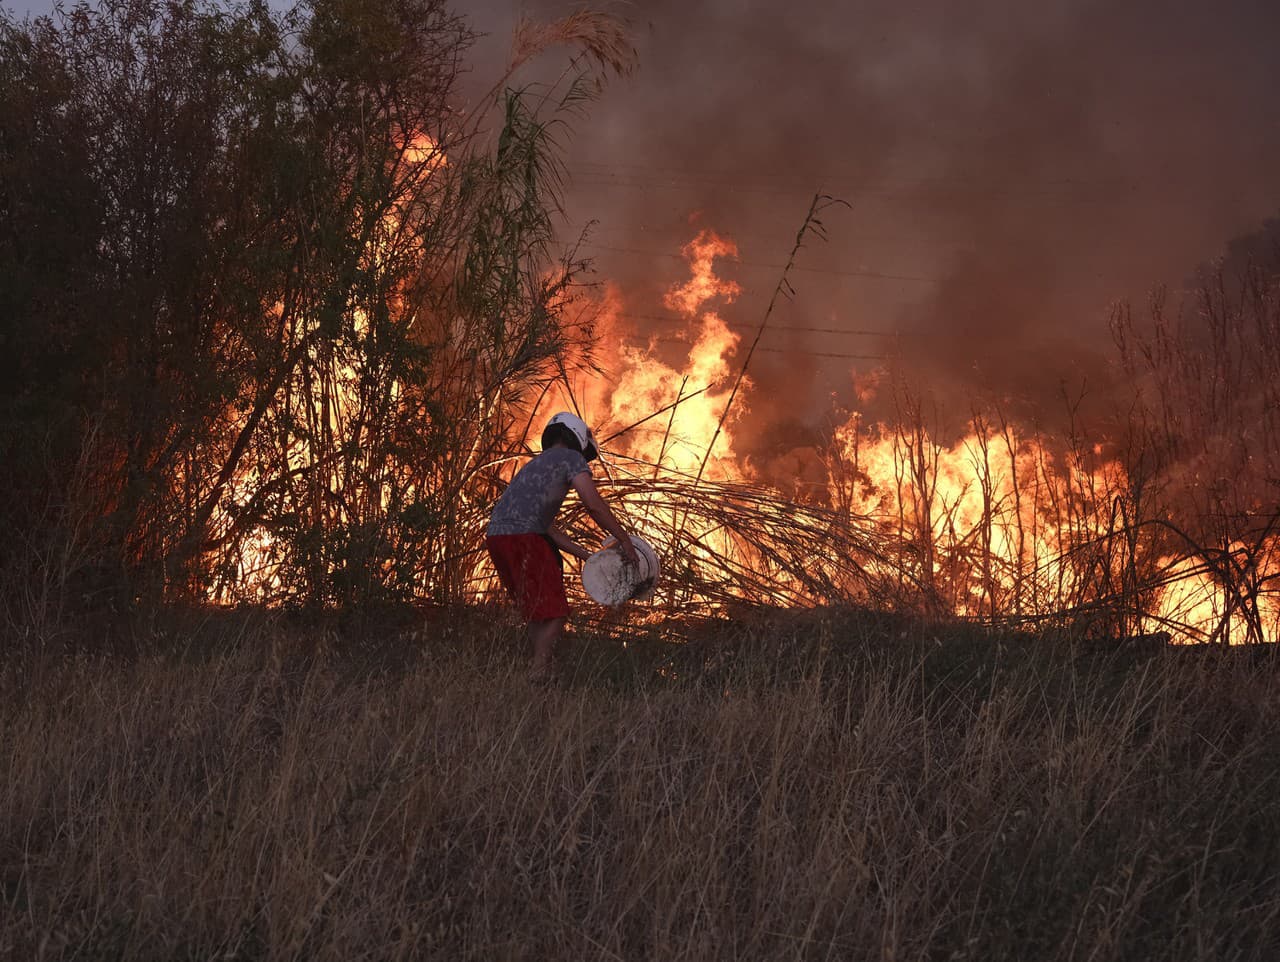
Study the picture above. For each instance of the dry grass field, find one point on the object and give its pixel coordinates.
(825, 786)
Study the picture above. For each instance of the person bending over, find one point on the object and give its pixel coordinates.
(525, 543)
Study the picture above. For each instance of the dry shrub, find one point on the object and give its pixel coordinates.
(283, 797)
(1205, 434)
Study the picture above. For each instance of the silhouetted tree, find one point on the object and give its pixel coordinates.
(269, 305)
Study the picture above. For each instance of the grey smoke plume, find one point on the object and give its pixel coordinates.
(1012, 167)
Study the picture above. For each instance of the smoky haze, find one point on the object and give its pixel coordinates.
(1012, 169)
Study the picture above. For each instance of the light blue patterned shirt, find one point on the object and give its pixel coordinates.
(533, 497)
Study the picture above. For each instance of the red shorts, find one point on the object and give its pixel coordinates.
(530, 569)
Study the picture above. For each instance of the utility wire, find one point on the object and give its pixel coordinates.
(853, 332)
(850, 357)
(877, 275)
(794, 350)
(600, 168)
(589, 179)
(761, 235)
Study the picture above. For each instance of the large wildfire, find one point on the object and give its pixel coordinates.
(999, 523)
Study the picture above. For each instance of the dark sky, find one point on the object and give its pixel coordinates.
(1012, 168)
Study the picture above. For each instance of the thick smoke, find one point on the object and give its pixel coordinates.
(1012, 169)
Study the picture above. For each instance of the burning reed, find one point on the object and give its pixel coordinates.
(301, 379)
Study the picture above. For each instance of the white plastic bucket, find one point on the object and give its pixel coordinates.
(608, 580)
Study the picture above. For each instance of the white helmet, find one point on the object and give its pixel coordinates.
(579, 429)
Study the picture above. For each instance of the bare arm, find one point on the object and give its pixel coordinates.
(567, 544)
(598, 510)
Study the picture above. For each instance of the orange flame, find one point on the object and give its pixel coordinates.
(1000, 522)
(640, 383)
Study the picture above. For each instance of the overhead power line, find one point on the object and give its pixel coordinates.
(609, 183)
(628, 181)
(760, 235)
(852, 332)
(794, 350)
(875, 275)
(830, 178)
(851, 357)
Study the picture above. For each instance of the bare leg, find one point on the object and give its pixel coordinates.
(543, 636)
